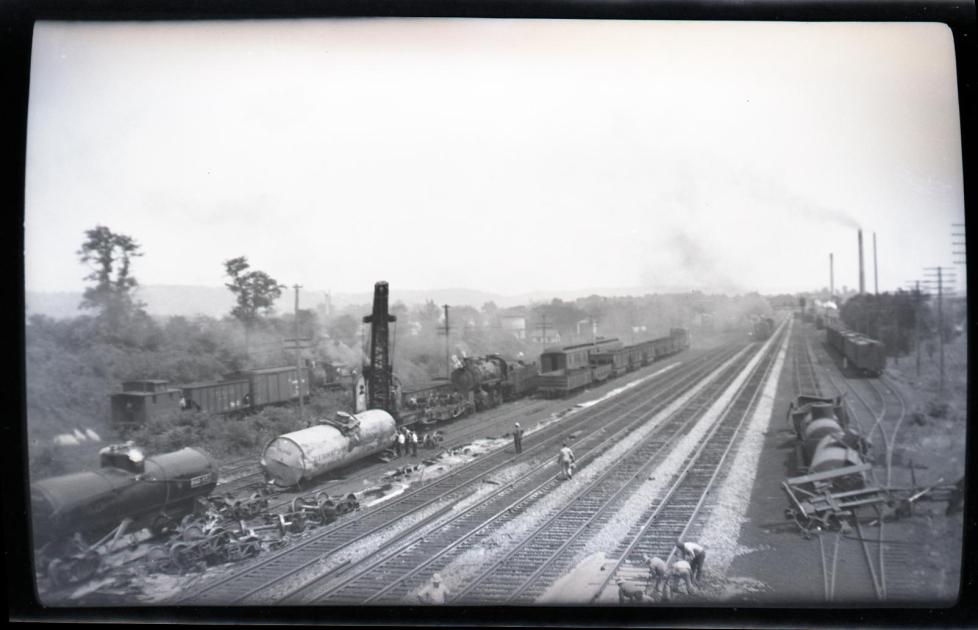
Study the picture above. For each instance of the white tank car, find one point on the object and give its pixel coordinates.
(333, 443)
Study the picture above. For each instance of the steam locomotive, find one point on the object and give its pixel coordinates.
(762, 328)
(129, 491)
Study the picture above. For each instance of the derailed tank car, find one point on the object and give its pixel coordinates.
(825, 443)
(71, 511)
(302, 455)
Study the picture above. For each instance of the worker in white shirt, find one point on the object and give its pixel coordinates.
(435, 593)
(695, 554)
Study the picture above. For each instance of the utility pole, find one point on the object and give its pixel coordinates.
(543, 330)
(298, 353)
(448, 352)
(915, 288)
(941, 278)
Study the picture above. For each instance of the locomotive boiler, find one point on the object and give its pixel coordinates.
(490, 380)
(301, 455)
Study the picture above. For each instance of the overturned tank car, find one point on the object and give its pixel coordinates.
(73, 514)
(302, 455)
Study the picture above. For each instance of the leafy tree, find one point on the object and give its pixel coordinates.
(344, 329)
(255, 292)
(110, 257)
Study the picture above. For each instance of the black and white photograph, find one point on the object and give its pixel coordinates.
(436, 312)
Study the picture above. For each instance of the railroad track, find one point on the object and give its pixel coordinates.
(670, 518)
(277, 568)
(393, 576)
(890, 410)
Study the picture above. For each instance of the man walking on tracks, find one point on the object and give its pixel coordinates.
(658, 571)
(518, 438)
(413, 440)
(695, 554)
(566, 461)
(436, 593)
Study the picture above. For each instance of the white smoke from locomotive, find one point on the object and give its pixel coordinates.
(305, 454)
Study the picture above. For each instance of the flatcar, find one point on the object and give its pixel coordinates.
(71, 511)
(861, 352)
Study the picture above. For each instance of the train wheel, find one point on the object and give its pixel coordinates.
(163, 524)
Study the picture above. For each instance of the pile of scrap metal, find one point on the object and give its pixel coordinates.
(213, 539)
(833, 461)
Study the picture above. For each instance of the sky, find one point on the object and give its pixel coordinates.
(500, 155)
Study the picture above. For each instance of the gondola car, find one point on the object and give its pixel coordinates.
(860, 352)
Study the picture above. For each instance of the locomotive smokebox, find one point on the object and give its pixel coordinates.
(305, 454)
(478, 372)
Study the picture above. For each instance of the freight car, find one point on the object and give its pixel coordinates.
(128, 491)
(861, 352)
(825, 441)
(302, 455)
(144, 400)
(832, 460)
(567, 369)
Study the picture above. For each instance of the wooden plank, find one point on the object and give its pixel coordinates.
(829, 474)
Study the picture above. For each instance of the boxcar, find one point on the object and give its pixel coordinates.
(218, 396)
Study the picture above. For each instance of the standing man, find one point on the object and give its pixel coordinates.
(398, 442)
(658, 571)
(436, 593)
(695, 554)
(566, 461)
(414, 443)
(518, 438)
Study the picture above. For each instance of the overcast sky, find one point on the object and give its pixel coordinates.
(500, 155)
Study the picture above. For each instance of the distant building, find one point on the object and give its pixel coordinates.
(514, 324)
(552, 337)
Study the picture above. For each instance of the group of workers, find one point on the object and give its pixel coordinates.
(686, 570)
(406, 441)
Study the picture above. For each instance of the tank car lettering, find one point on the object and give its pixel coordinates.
(200, 480)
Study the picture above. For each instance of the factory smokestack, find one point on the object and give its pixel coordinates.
(862, 273)
(876, 271)
(831, 276)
